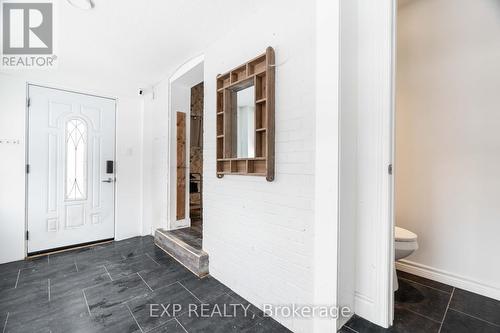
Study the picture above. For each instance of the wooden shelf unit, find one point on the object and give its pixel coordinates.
(259, 72)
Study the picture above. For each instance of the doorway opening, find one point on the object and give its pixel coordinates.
(189, 166)
(196, 161)
(452, 196)
(182, 236)
(455, 126)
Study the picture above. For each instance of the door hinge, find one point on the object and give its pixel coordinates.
(27, 235)
(27, 168)
(28, 102)
(389, 169)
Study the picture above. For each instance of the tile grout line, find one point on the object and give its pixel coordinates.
(424, 285)
(5, 324)
(119, 278)
(350, 329)
(152, 259)
(144, 281)
(218, 295)
(185, 330)
(423, 316)
(189, 291)
(17, 280)
(87, 303)
(168, 285)
(107, 272)
(165, 323)
(130, 311)
(480, 319)
(448, 306)
(446, 311)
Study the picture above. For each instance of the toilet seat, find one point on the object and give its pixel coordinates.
(405, 246)
(403, 235)
(405, 243)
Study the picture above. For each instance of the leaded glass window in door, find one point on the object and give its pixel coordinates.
(76, 159)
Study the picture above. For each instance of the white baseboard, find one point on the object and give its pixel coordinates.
(448, 278)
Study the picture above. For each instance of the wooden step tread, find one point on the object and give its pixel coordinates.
(196, 260)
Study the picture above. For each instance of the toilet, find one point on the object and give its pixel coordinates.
(405, 243)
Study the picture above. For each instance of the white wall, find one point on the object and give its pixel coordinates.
(12, 168)
(326, 256)
(156, 134)
(12, 176)
(129, 159)
(148, 225)
(160, 206)
(259, 234)
(447, 139)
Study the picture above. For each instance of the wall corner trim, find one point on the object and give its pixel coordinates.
(186, 67)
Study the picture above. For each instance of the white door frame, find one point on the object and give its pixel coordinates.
(386, 17)
(171, 167)
(392, 117)
(378, 22)
(26, 148)
(372, 60)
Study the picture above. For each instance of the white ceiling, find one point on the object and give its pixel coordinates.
(122, 45)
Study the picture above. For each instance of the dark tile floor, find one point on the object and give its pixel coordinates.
(423, 305)
(110, 287)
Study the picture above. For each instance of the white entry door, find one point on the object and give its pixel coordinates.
(71, 152)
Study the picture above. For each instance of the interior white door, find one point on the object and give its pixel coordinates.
(71, 138)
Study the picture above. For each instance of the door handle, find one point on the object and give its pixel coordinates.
(109, 180)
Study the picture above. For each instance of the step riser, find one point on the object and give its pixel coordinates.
(194, 260)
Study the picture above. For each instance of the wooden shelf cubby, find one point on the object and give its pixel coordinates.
(257, 65)
(259, 72)
(261, 115)
(256, 167)
(223, 81)
(238, 74)
(220, 124)
(260, 86)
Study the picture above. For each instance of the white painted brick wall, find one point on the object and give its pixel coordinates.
(259, 235)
